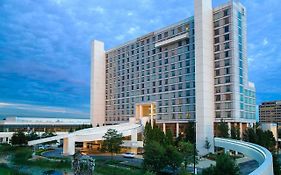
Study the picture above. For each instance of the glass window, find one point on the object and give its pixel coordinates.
(227, 70)
(226, 54)
(217, 56)
(226, 12)
(226, 37)
(217, 48)
(217, 32)
(180, 29)
(226, 29)
(227, 97)
(159, 36)
(216, 24)
(217, 72)
(226, 62)
(166, 34)
(218, 97)
(217, 40)
(227, 79)
(227, 88)
(226, 20)
(226, 45)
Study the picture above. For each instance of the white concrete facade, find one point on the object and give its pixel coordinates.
(97, 112)
(204, 67)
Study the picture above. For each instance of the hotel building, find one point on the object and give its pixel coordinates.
(192, 71)
(270, 112)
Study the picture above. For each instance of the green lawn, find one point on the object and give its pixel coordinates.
(107, 167)
(4, 170)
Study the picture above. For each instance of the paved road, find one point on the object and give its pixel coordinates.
(248, 167)
(137, 161)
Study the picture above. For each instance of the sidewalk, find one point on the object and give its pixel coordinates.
(243, 160)
(205, 163)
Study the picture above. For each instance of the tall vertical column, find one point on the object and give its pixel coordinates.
(204, 74)
(241, 130)
(164, 128)
(151, 114)
(141, 111)
(229, 128)
(68, 146)
(97, 84)
(134, 140)
(177, 129)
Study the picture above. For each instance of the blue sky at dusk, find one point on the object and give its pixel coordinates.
(45, 48)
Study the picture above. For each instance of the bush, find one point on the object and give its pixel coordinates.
(149, 173)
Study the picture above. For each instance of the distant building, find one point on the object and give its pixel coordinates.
(270, 112)
(10, 125)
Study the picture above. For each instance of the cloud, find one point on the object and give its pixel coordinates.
(120, 37)
(133, 30)
(39, 108)
(264, 42)
(130, 13)
(98, 9)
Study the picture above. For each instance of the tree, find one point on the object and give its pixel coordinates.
(260, 137)
(249, 135)
(190, 133)
(112, 141)
(179, 139)
(19, 138)
(149, 173)
(147, 133)
(222, 129)
(32, 136)
(154, 157)
(169, 137)
(235, 133)
(209, 171)
(276, 164)
(270, 142)
(49, 134)
(187, 150)
(158, 136)
(207, 144)
(82, 164)
(174, 157)
(225, 165)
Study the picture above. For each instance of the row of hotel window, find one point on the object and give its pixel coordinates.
(150, 40)
(141, 77)
(163, 96)
(152, 69)
(140, 58)
(148, 92)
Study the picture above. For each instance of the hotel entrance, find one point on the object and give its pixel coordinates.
(145, 110)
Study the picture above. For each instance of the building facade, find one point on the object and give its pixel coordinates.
(192, 71)
(270, 112)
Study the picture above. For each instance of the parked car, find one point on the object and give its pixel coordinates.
(128, 155)
(41, 147)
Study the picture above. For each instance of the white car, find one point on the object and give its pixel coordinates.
(41, 147)
(128, 155)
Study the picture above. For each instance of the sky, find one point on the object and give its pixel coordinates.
(45, 48)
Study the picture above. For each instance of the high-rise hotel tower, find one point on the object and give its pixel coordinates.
(193, 70)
